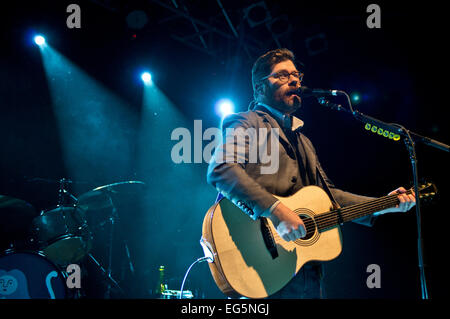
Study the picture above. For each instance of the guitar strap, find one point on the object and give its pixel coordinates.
(326, 188)
(219, 197)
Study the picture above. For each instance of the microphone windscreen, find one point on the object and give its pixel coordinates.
(304, 91)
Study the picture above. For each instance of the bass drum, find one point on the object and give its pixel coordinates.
(29, 275)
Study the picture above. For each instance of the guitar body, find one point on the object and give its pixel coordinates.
(243, 265)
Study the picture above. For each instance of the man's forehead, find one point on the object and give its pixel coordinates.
(287, 65)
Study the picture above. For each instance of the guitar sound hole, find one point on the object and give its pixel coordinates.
(310, 226)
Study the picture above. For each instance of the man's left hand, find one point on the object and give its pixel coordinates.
(406, 202)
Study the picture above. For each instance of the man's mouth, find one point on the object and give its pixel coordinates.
(292, 93)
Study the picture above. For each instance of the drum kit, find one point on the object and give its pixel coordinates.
(41, 246)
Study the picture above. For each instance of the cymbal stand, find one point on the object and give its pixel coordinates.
(107, 275)
(112, 219)
(63, 193)
(107, 272)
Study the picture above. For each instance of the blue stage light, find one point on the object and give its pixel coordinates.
(146, 77)
(39, 40)
(224, 107)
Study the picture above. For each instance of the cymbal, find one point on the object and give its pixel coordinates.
(15, 215)
(99, 197)
(10, 206)
(52, 181)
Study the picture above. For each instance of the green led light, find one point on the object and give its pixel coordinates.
(380, 131)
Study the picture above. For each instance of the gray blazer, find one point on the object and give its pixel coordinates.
(241, 179)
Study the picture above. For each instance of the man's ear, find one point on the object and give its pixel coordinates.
(260, 89)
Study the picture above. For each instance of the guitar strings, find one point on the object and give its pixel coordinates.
(330, 218)
(352, 210)
(355, 210)
(354, 213)
(331, 221)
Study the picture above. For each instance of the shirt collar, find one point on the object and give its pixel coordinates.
(288, 121)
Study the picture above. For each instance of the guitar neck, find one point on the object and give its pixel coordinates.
(342, 215)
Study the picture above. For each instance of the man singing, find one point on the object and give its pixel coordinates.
(276, 80)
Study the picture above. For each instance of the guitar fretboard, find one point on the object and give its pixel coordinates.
(342, 215)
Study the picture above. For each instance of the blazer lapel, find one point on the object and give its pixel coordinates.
(274, 123)
(311, 161)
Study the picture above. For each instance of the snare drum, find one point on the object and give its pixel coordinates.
(63, 234)
(29, 275)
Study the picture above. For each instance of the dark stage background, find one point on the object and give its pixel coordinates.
(84, 116)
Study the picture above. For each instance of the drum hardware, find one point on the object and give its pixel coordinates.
(112, 220)
(107, 275)
(62, 233)
(102, 198)
(130, 263)
(99, 198)
(63, 193)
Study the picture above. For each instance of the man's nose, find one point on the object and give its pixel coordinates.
(293, 81)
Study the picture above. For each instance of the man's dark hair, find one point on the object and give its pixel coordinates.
(263, 65)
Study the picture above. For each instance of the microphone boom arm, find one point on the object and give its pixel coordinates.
(409, 142)
(391, 127)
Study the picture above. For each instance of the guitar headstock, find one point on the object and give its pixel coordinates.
(427, 191)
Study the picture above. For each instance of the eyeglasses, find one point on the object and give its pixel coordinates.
(283, 76)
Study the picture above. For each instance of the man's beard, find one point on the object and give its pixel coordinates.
(289, 106)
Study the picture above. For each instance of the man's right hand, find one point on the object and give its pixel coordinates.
(287, 223)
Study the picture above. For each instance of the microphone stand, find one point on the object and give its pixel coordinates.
(409, 142)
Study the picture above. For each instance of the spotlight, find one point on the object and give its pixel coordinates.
(39, 40)
(224, 107)
(355, 97)
(146, 77)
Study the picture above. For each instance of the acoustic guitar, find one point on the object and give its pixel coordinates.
(250, 259)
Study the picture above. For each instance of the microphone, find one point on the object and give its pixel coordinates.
(307, 92)
(321, 96)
